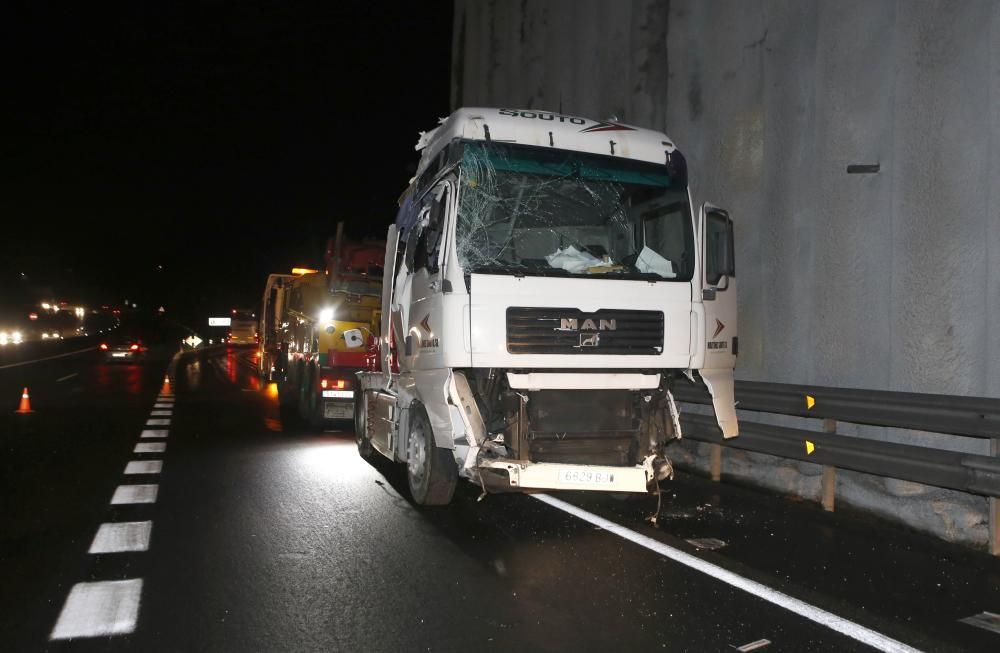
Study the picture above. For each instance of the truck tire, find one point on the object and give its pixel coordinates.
(430, 470)
(361, 425)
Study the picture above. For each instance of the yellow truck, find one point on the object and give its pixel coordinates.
(319, 328)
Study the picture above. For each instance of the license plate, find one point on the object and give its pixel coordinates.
(338, 411)
(338, 394)
(586, 477)
(121, 355)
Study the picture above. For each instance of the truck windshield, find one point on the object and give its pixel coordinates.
(540, 211)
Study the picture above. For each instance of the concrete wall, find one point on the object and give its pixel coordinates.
(887, 280)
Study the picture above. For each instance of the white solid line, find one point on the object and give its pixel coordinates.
(67, 377)
(839, 624)
(102, 608)
(144, 467)
(119, 537)
(154, 433)
(125, 494)
(161, 413)
(158, 422)
(47, 358)
(150, 447)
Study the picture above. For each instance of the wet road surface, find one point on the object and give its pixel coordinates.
(262, 535)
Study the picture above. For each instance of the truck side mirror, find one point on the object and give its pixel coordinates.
(719, 258)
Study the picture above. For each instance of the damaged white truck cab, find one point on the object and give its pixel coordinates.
(546, 282)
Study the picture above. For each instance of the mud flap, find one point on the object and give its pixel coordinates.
(720, 385)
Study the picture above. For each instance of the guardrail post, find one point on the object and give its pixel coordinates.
(716, 462)
(829, 486)
(995, 508)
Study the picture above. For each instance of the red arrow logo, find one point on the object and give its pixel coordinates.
(719, 326)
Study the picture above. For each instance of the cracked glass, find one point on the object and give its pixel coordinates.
(538, 211)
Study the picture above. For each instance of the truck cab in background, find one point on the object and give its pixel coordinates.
(546, 283)
(319, 328)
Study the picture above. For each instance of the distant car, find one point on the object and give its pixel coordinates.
(124, 350)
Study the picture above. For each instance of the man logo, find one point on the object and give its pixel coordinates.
(590, 339)
(572, 324)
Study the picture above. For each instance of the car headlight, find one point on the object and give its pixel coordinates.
(326, 315)
(16, 337)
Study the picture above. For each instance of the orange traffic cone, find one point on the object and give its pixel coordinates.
(25, 406)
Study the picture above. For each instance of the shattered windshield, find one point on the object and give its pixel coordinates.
(540, 211)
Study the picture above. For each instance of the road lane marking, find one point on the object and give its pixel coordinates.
(101, 608)
(144, 467)
(67, 377)
(158, 422)
(119, 537)
(154, 433)
(126, 494)
(843, 626)
(47, 358)
(161, 413)
(150, 447)
(163, 405)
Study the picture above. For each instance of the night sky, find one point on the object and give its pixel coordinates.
(221, 140)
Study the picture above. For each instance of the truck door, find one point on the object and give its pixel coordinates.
(425, 326)
(718, 272)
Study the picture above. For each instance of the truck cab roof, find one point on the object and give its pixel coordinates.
(545, 129)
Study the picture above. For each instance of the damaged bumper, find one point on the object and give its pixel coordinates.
(556, 476)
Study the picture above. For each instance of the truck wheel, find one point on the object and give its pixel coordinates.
(305, 389)
(361, 425)
(430, 470)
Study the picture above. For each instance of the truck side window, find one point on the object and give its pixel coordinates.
(719, 259)
(429, 239)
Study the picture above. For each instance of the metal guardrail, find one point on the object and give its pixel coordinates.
(975, 417)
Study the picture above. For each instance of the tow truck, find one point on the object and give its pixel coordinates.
(319, 328)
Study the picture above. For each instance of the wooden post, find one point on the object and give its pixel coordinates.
(716, 462)
(829, 486)
(995, 508)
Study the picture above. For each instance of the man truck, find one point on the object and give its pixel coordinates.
(545, 283)
(319, 328)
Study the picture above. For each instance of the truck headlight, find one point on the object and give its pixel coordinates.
(326, 315)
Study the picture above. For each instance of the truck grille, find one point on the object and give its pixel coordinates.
(571, 331)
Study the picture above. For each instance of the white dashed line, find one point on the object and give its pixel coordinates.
(126, 494)
(150, 447)
(119, 537)
(163, 405)
(161, 413)
(154, 433)
(158, 422)
(102, 608)
(144, 467)
(843, 626)
(67, 377)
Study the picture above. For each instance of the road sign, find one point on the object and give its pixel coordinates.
(192, 341)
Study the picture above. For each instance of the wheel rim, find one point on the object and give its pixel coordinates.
(416, 455)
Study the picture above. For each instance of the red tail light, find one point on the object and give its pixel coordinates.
(134, 347)
(338, 384)
(104, 346)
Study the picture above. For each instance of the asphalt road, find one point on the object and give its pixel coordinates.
(262, 535)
